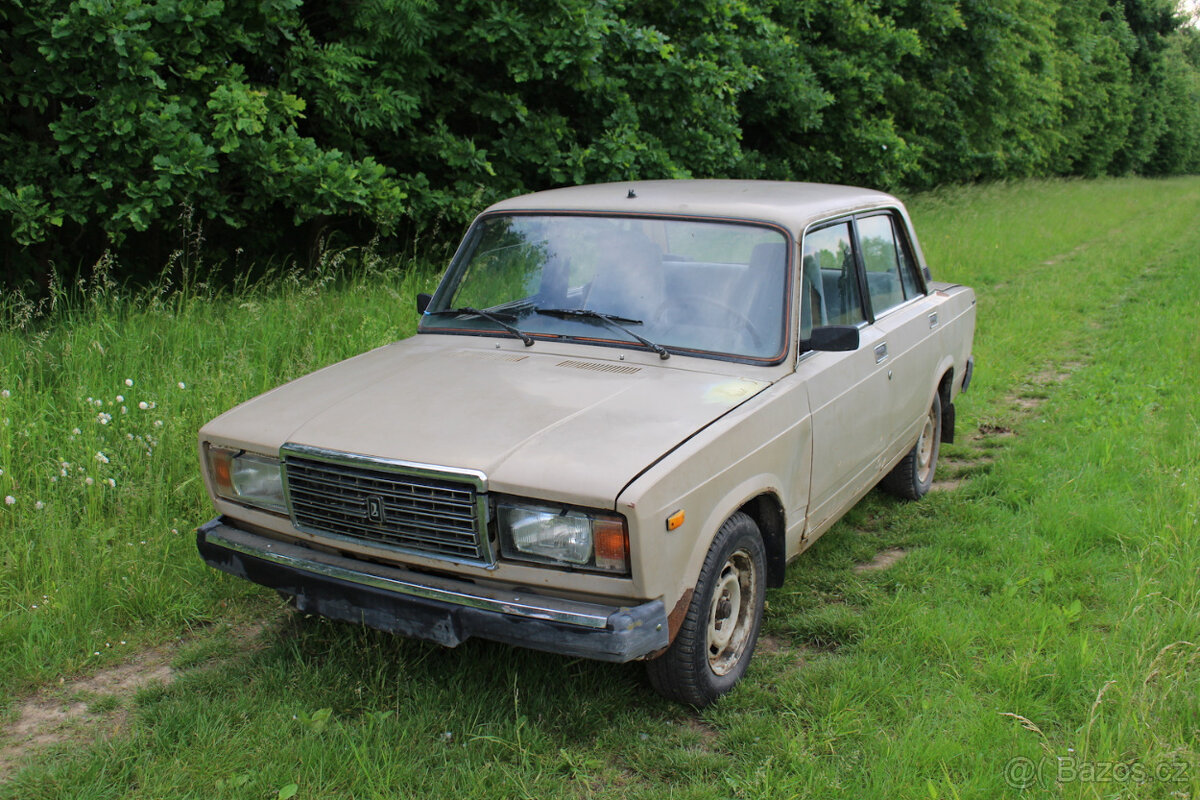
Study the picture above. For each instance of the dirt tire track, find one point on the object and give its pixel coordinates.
(62, 714)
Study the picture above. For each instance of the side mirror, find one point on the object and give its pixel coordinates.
(833, 338)
(423, 302)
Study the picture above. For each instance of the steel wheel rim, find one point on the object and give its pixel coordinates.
(731, 613)
(925, 449)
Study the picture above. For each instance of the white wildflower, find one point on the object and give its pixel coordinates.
(182, 385)
(103, 418)
(129, 436)
(129, 381)
(39, 505)
(9, 500)
(111, 482)
(1, 472)
(103, 459)
(158, 423)
(5, 393)
(143, 405)
(76, 431)
(120, 398)
(99, 403)
(89, 481)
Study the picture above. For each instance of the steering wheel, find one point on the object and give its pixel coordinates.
(695, 300)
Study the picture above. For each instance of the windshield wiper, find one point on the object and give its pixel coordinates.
(611, 319)
(488, 315)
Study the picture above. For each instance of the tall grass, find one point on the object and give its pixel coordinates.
(1040, 638)
(103, 392)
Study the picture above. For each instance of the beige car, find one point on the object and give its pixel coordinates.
(627, 407)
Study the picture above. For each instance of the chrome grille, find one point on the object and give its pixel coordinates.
(386, 505)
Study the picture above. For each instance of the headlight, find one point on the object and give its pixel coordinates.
(560, 535)
(246, 478)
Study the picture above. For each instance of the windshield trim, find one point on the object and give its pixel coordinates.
(458, 263)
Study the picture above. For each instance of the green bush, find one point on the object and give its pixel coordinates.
(280, 123)
(118, 112)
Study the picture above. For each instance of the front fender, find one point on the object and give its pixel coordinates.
(762, 448)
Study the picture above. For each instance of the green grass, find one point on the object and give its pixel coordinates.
(1046, 610)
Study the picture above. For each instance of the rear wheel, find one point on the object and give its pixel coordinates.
(716, 640)
(913, 476)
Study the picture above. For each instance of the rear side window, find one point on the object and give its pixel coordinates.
(890, 271)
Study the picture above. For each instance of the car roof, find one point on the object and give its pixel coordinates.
(793, 205)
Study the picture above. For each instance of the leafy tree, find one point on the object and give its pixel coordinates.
(119, 112)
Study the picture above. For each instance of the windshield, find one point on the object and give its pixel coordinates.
(690, 287)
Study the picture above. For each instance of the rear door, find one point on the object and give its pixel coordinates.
(904, 320)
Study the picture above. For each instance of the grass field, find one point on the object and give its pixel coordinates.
(1032, 629)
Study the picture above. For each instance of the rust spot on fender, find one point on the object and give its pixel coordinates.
(675, 618)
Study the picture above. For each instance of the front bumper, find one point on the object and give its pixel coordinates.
(434, 608)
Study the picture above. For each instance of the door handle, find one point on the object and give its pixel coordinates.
(933, 320)
(881, 352)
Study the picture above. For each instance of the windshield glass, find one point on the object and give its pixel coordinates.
(692, 287)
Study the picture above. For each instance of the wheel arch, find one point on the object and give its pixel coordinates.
(767, 512)
(945, 391)
(759, 498)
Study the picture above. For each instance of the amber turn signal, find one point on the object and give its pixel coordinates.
(221, 462)
(611, 543)
(675, 520)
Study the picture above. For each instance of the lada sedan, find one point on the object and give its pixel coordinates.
(627, 407)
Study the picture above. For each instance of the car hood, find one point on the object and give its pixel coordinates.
(555, 424)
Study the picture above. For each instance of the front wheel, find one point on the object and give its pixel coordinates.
(913, 476)
(717, 637)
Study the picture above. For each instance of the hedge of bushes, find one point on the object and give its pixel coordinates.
(279, 122)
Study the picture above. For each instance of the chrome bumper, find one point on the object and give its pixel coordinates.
(437, 609)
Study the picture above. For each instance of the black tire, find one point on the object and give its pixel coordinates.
(707, 659)
(913, 476)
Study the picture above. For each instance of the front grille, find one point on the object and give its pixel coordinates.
(390, 507)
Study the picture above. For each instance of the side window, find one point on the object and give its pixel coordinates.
(881, 257)
(830, 293)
